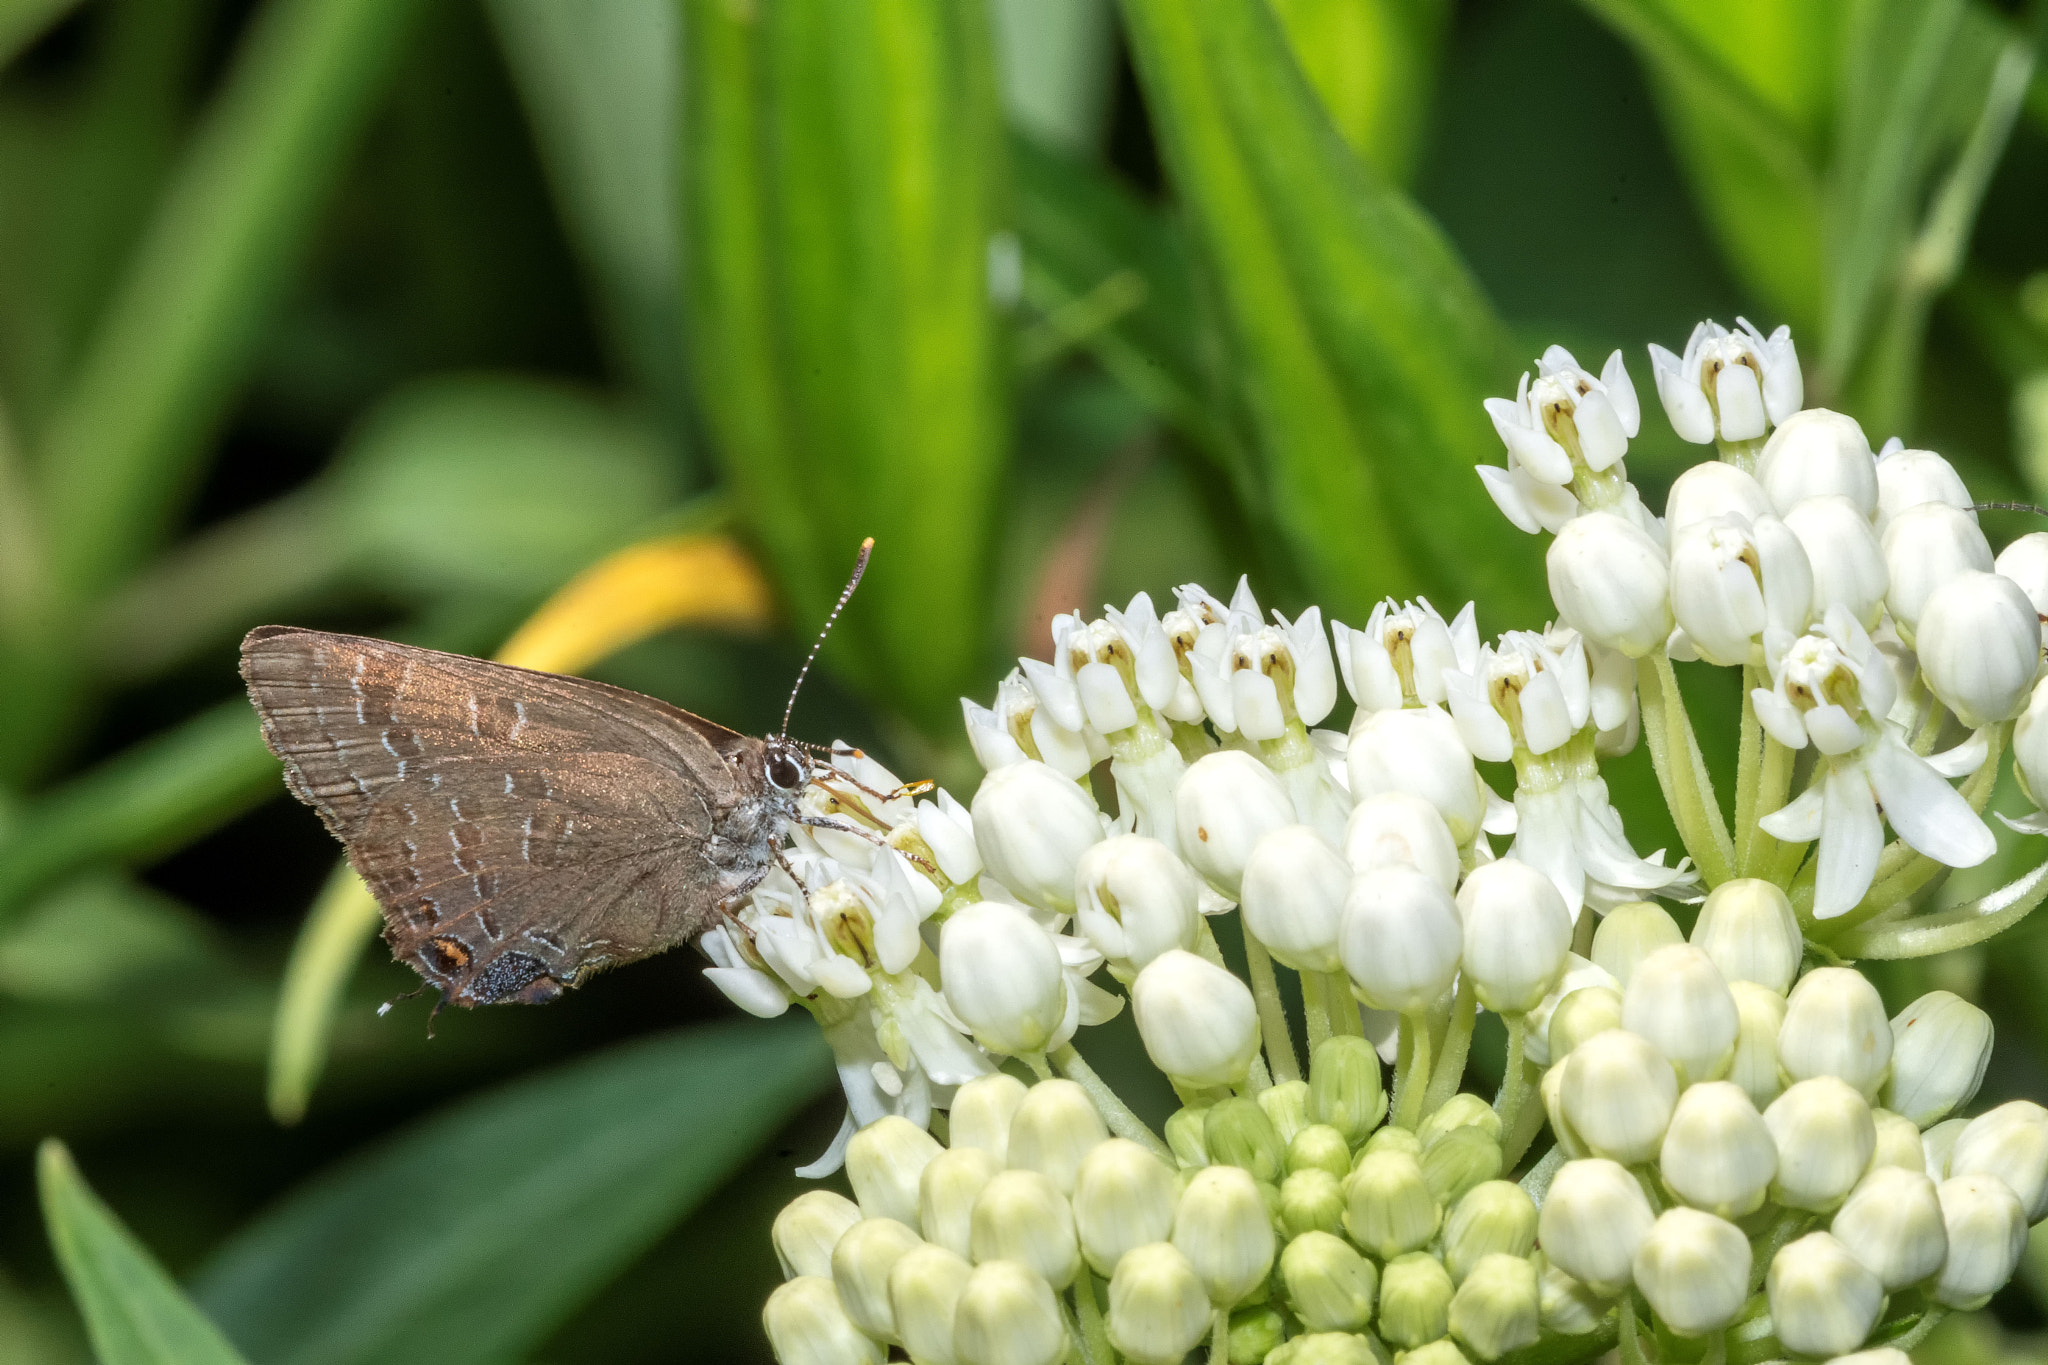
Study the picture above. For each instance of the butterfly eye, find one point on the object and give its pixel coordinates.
(784, 771)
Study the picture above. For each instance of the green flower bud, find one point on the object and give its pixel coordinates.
(1759, 1014)
(807, 1326)
(1184, 1134)
(1718, 1154)
(1694, 1270)
(1592, 1221)
(1569, 1308)
(1825, 1137)
(884, 1162)
(1459, 1160)
(2010, 1142)
(1286, 1104)
(1987, 1231)
(1580, 973)
(981, 1113)
(1631, 933)
(1882, 1355)
(1898, 1142)
(1388, 1207)
(1941, 1044)
(1222, 1227)
(1892, 1224)
(860, 1272)
(1022, 1216)
(1254, 1332)
(1496, 1216)
(1123, 1198)
(1415, 1300)
(1053, 1129)
(1319, 1147)
(1822, 1302)
(1340, 1348)
(1747, 927)
(1939, 1144)
(1007, 1316)
(1677, 1001)
(808, 1228)
(1311, 1200)
(1237, 1132)
(1329, 1285)
(1459, 1111)
(1158, 1309)
(1345, 1089)
(1835, 1026)
(1496, 1309)
(1551, 1091)
(1391, 1139)
(1580, 1015)
(1444, 1352)
(946, 1193)
(924, 1292)
(1618, 1096)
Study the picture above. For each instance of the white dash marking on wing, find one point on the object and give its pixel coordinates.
(519, 710)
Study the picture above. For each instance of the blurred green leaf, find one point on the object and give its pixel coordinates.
(135, 1314)
(465, 1238)
(1358, 346)
(24, 21)
(599, 81)
(843, 178)
(137, 935)
(1057, 59)
(339, 927)
(1373, 62)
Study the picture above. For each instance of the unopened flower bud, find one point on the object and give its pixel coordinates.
(1158, 1308)
(1552, 1093)
(1053, 1131)
(1225, 803)
(1710, 490)
(1237, 1133)
(1825, 1138)
(1979, 644)
(1618, 1096)
(1293, 896)
(1462, 1110)
(1938, 1144)
(1568, 1307)
(1319, 1147)
(1898, 1142)
(1459, 1160)
(1345, 1089)
(808, 1228)
(1311, 1200)
(1677, 1000)
(1749, 931)
(1892, 1224)
(1732, 580)
(1497, 1306)
(1222, 1228)
(1135, 899)
(808, 1326)
(1987, 1231)
(946, 1194)
(1718, 1155)
(1022, 1216)
(1631, 933)
(982, 1111)
(1415, 1300)
(2025, 562)
(1580, 1015)
(1123, 1198)
(1255, 1331)
(1822, 1302)
(1881, 1355)
(1847, 560)
(884, 1162)
(1388, 1206)
(1924, 547)
(2011, 1143)
(1403, 830)
(860, 1272)
(1329, 1285)
(1184, 1135)
(1694, 1270)
(1391, 1139)
(1579, 973)
(1817, 453)
(1518, 931)
(1002, 975)
(1941, 1044)
(1032, 825)
(1401, 939)
(1592, 1222)
(1495, 1216)
(1286, 1104)
(1760, 1013)
(1350, 1348)
(1610, 583)
(924, 1294)
(1419, 752)
(1442, 1351)
(1007, 1315)
(1198, 1021)
(1835, 1026)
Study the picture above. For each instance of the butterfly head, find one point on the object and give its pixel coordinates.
(786, 766)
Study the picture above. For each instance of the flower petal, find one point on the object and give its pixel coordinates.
(1851, 839)
(1927, 813)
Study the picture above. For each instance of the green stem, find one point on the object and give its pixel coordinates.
(1036, 1061)
(1742, 454)
(1272, 1011)
(1717, 1350)
(1117, 1115)
(1631, 1345)
(1513, 1090)
(1529, 1119)
(1789, 1224)
(1959, 927)
(1315, 1010)
(1681, 772)
(1344, 1020)
(1094, 1332)
(1917, 1333)
(1411, 1078)
(1774, 784)
(1449, 1069)
(1748, 774)
(1219, 1339)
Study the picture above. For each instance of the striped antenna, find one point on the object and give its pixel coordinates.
(2008, 507)
(860, 566)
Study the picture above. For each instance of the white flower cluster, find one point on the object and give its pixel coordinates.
(1718, 1157)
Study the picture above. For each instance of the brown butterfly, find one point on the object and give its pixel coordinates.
(523, 830)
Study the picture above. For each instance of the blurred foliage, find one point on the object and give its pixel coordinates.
(395, 317)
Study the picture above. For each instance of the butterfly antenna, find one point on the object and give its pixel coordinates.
(2008, 507)
(860, 566)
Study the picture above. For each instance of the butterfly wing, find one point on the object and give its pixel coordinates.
(520, 829)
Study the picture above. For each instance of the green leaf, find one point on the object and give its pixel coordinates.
(341, 924)
(134, 1312)
(1358, 347)
(843, 175)
(1058, 61)
(24, 21)
(1373, 62)
(467, 1237)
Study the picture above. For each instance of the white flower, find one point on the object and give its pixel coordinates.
(1818, 453)
(1401, 938)
(1135, 899)
(1399, 658)
(1525, 693)
(1712, 489)
(1257, 679)
(2030, 760)
(1031, 826)
(1420, 751)
(1609, 581)
(1020, 728)
(1845, 556)
(1225, 804)
(1833, 689)
(1404, 829)
(1924, 547)
(2025, 562)
(1567, 417)
(1980, 647)
(1002, 976)
(1908, 478)
(1198, 1022)
(1728, 383)
(1518, 933)
(1736, 585)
